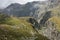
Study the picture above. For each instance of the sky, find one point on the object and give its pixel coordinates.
(4, 3)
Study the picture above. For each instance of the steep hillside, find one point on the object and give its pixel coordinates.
(56, 22)
(12, 28)
(49, 14)
(51, 24)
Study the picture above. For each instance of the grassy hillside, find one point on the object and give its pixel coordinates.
(13, 28)
(55, 19)
(56, 22)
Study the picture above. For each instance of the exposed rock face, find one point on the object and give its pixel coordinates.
(45, 17)
(51, 27)
(34, 23)
(51, 32)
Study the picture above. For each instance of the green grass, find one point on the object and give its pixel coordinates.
(13, 28)
(8, 32)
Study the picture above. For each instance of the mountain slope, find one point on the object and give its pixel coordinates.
(51, 26)
(13, 28)
(33, 9)
(28, 9)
